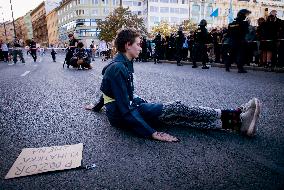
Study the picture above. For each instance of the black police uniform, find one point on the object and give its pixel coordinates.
(32, 46)
(158, 48)
(201, 37)
(237, 31)
(179, 42)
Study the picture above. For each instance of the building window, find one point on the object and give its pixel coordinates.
(209, 10)
(174, 10)
(95, 2)
(80, 12)
(115, 2)
(175, 19)
(154, 9)
(154, 19)
(135, 3)
(164, 9)
(165, 19)
(164, 1)
(106, 10)
(183, 11)
(195, 9)
(95, 12)
(128, 3)
(184, 2)
(174, 1)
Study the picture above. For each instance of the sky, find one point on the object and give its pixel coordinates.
(20, 8)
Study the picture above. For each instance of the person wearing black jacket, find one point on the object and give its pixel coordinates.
(124, 109)
(81, 58)
(71, 48)
(201, 37)
(272, 30)
(158, 48)
(237, 31)
(33, 49)
(179, 43)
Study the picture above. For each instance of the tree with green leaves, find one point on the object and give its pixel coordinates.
(119, 18)
(189, 25)
(164, 28)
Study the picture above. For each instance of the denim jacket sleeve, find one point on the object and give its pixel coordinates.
(129, 114)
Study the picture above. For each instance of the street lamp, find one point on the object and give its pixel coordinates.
(13, 19)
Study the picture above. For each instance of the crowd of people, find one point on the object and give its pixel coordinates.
(239, 43)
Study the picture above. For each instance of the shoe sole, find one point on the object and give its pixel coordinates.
(253, 128)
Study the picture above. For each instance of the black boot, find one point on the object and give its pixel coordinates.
(205, 67)
(231, 119)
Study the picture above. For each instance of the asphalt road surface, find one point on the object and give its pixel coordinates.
(41, 104)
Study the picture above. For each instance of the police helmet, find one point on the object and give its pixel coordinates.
(203, 22)
(243, 13)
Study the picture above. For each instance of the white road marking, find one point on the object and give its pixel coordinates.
(25, 73)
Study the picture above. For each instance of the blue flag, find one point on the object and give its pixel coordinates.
(215, 13)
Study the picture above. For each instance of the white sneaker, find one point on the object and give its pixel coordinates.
(249, 116)
(248, 105)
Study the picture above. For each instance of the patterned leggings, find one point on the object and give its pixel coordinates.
(178, 114)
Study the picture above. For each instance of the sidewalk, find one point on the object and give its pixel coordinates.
(234, 66)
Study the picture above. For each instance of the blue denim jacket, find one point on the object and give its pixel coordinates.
(117, 83)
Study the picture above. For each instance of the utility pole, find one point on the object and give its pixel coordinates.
(13, 19)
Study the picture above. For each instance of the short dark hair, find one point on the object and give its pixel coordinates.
(80, 45)
(123, 37)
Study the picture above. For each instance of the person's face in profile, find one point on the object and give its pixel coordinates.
(134, 49)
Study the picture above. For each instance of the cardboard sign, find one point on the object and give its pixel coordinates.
(38, 160)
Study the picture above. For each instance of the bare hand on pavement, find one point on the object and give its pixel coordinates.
(161, 136)
(89, 106)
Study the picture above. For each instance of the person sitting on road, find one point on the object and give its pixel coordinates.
(125, 110)
(81, 57)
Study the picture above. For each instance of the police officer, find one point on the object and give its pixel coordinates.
(33, 49)
(158, 48)
(179, 43)
(201, 38)
(17, 50)
(71, 48)
(237, 31)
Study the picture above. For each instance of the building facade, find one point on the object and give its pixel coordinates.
(258, 8)
(20, 29)
(81, 16)
(6, 31)
(39, 25)
(52, 27)
(28, 26)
